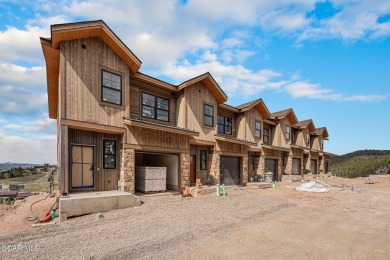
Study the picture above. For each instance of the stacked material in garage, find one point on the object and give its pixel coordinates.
(150, 178)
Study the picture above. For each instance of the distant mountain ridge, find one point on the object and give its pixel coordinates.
(8, 165)
(361, 163)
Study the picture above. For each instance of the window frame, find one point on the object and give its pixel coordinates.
(225, 125)
(266, 135)
(121, 91)
(288, 132)
(204, 115)
(307, 138)
(252, 162)
(114, 154)
(201, 162)
(155, 108)
(258, 136)
(321, 143)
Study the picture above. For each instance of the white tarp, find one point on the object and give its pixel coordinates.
(314, 186)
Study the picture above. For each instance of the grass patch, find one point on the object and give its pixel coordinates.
(32, 183)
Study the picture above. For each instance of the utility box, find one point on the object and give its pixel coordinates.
(150, 179)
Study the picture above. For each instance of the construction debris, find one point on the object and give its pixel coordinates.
(314, 186)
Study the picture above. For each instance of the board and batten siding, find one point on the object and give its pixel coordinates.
(80, 82)
(104, 179)
(137, 88)
(191, 102)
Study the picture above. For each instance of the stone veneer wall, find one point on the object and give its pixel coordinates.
(127, 170)
(185, 170)
(213, 167)
(244, 170)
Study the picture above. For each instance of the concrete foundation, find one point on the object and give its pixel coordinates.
(78, 204)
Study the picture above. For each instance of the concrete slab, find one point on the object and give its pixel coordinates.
(77, 204)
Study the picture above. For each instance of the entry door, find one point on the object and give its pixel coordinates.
(313, 166)
(296, 166)
(192, 169)
(82, 174)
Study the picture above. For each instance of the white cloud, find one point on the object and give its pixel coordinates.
(301, 89)
(42, 126)
(19, 149)
(21, 101)
(21, 76)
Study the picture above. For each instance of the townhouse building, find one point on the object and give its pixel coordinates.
(111, 118)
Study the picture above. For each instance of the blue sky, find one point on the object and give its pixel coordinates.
(328, 60)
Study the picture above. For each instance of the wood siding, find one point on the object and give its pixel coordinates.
(104, 179)
(80, 82)
(136, 89)
(156, 138)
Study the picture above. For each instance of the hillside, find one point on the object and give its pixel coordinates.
(361, 163)
(8, 165)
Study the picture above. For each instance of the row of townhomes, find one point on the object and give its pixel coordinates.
(111, 118)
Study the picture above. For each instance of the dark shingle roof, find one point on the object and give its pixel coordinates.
(248, 104)
(281, 113)
(304, 123)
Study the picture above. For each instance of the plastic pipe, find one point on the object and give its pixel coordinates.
(218, 191)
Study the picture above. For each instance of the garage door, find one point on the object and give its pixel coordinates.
(230, 170)
(296, 166)
(270, 166)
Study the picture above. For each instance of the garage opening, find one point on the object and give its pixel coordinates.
(230, 170)
(296, 166)
(156, 172)
(270, 166)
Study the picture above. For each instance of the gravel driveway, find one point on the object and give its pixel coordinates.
(163, 227)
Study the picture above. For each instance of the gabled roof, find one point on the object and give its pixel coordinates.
(73, 31)
(322, 131)
(211, 85)
(259, 104)
(283, 113)
(307, 123)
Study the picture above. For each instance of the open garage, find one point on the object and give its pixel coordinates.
(230, 170)
(270, 166)
(148, 161)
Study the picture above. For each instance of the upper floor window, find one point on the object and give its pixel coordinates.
(307, 138)
(155, 107)
(109, 154)
(208, 118)
(288, 132)
(266, 136)
(111, 88)
(322, 144)
(258, 129)
(224, 125)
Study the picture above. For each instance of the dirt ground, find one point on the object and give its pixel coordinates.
(250, 223)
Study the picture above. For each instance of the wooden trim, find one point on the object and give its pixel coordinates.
(155, 82)
(269, 122)
(100, 92)
(237, 141)
(232, 154)
(93, 127)
(230, 108)
(166, 128)
(270, 147)
(201, 142)
(154, 148)
(254, 149)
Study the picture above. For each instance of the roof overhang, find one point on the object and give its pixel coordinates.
(230, 108)
(272, 147)
(155, 82)
(260, 105)
(323, 131)
(211, 85)
(233, 140)
(161, 127)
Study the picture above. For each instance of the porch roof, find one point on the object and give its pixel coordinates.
(233, 140)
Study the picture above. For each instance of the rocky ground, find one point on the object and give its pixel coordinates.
(249, 223)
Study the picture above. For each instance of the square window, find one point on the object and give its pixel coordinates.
(155, 107)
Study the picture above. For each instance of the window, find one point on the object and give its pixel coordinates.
(203, 159)
(252, 160)
(288, 132)
(322, 144)
(224, 125)
(155, 107)
(266, 136)
(307, 138)
(208, 115)
(258, 129)
(109, 154)
(111, 88)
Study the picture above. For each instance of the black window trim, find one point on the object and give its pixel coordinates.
(268, 130)
(288, 133)
(252, 162)
(225, 125)
(104, 153)
(307, 138)
(155, 107)
(200, 161)
(107, 87)
(258, 136)
(204, 115)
